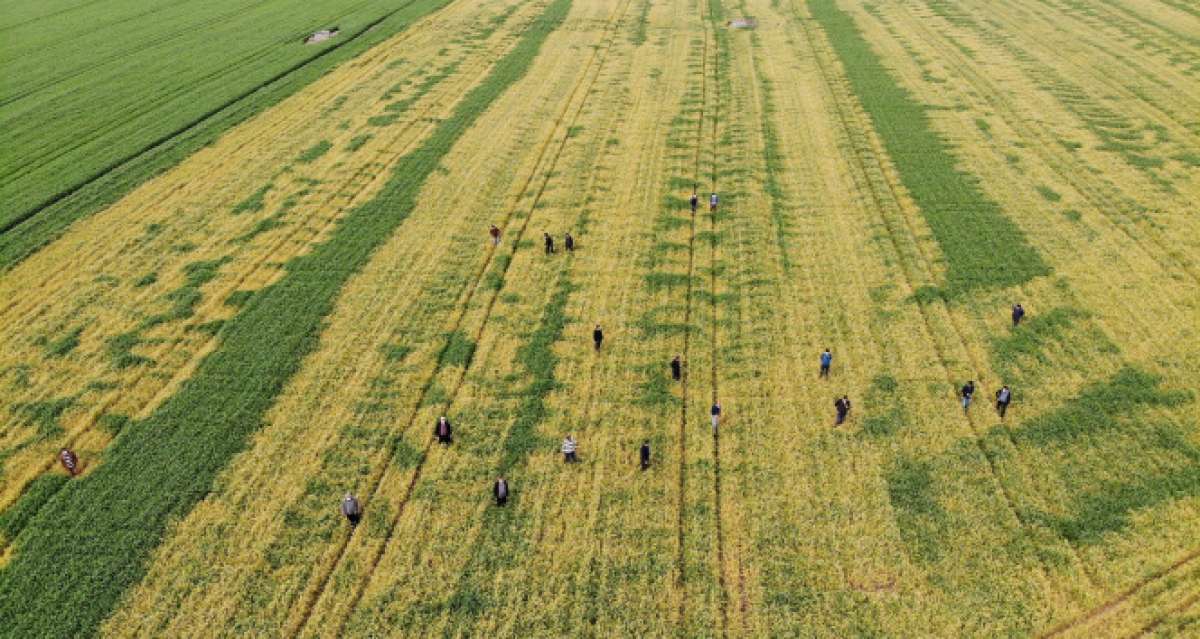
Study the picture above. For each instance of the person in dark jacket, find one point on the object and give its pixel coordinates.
(494, 231)
(597, 336)
(715, 412)
(500, 490)
(1018, 314)
(694, 200)
(569, 242)
(676, 369)
(351, 509)
(826, 361)
(968, 391)
(549, 243)
(1003, 398)
(69, 461)
(843, 408)
(442, 430)
(644, 454)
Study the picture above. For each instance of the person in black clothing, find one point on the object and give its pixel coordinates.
(1018, 313)
(549, 243)
(351, 509)
(597, 336)
(644, 454)
(442, 430)
(694, 201)
(715, 413)
(569, 242)
(69, 460)
(500, 490)
(843, 408)
(1003, 398)
(968, 390)
(676, 369)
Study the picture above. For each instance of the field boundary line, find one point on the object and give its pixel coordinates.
(314, 596)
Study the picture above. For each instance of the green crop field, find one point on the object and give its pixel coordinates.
(242, 276)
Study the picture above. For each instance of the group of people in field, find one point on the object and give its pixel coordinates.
(352, 509)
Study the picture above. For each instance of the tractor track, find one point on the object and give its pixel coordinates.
(351, 188)
(877, 199)
(1123, 596)
(313, 595)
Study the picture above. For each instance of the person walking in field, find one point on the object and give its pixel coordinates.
(842, 406)
(442, 430)
(694, 201)
(597, 336)
(500, 490)
(644, 454)
(713, 200)
(69, 461)
(715, 413)
(1018, 314)
(494, 231)
(549, 240)
(966, 393)
(351, 509)
(568, 450)
(676, 369)
(826, 360)
(1003, 398)
(569, 243)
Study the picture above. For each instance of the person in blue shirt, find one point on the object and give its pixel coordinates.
(712, 202)
(826, 360)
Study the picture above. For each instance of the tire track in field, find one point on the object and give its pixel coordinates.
(350, 189)
(1046, 148)
(312, 596)
(199, 120)
(1153, 625)
(715, 162)
(1120, 598)
(877, 200)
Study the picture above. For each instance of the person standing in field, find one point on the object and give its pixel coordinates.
(1003, 398)
(967, 392)
(644, 454)
(694, 201)
(715, 413)
(569, 243)
(495, 233)
(442, 430)
(597, 336)
(351, 509)
(842, 406)
(69, 461)
(1018, 314)
(826, 360)
(676, 369)
(549, 243)
(713, 200)
(500, 490)
(568, 450)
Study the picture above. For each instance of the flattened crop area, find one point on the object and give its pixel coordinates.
(281, 318)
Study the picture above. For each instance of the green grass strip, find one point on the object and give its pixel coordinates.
(33, 230)
(982, 248)
(93, 540)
